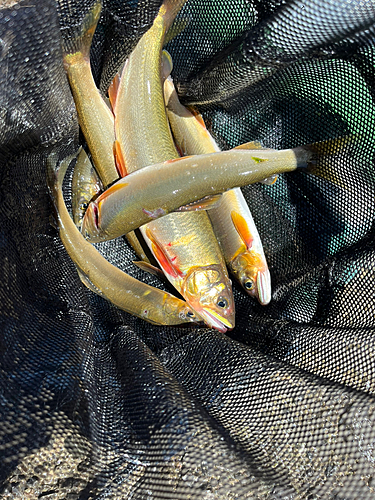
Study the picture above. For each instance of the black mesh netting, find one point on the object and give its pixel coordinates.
(97, 404)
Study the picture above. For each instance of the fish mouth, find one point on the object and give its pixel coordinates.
(214, 320)
(264, 287)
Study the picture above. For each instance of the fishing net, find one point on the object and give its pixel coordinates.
(98, 404)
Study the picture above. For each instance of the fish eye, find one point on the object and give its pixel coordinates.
(84, 206)
(222, 303)
(190, 314)
(249, 285)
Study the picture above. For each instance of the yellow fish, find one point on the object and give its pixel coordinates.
(130, 295)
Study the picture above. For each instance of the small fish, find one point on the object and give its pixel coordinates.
(183, 244)
(194, 266)
(232, 221)
(95, 118)
(160, 189)
(85, 186)
(241, 245)
(130, 295)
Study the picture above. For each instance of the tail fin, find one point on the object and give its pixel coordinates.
(81, 43)
(317, 159)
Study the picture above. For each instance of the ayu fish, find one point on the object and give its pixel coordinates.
(157, 190)
(232, 221)
(130, 295)
(183, 244)
(94, 116)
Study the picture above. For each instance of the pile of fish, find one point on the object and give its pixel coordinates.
(157, 168)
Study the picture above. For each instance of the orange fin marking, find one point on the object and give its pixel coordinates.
(113, 91)
(242, 228)
(115, 187)
(162, 257)
(197, 115)
(177, 159)
(119, 159)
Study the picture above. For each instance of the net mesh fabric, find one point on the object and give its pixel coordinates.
(98, 404)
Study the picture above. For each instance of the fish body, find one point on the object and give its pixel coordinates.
(155, 191)
(182, 242)
(140, 116)
(95, 118)
(188, 128)
(137, 298)
(194, 265)
(232, 220)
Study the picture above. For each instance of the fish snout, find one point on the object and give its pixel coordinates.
(217, 321)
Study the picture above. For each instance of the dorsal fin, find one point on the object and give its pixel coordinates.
(119, 159)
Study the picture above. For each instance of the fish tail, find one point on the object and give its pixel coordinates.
(81, 42)
(169, 11)
(316, 158)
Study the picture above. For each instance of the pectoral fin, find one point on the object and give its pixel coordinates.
(162, 257)
(242, 228)
(270, 180)
(250, 145)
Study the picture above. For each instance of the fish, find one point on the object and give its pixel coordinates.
(241, 244)
(86, 185)
(157, 190)
(139, 299)
(95, 118)
(183, 244)
(232, 221)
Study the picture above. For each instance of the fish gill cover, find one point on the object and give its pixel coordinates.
(98, 404)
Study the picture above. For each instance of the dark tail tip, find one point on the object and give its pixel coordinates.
(312, 157)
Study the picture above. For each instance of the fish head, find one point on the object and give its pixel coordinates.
(177, 311)
(251, 270)
(208, 291)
